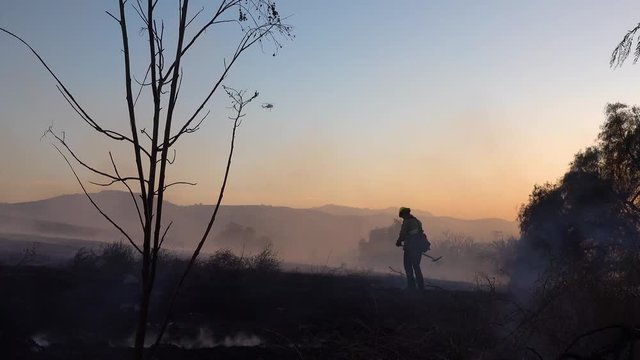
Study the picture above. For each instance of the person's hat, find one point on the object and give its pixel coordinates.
(404, 210)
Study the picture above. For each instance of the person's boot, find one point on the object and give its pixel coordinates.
(411, 284)
(420, 282)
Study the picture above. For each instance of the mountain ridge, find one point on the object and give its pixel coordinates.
(298, 234)
(333, 209)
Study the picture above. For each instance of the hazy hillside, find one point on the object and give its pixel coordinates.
(327, 234)
(40, 250)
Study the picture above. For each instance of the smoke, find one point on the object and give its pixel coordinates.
(327, 235)
(463, 259)
(242, 339)
(204, 338)
(41, 340)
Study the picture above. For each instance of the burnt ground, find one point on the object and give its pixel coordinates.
(71, 313)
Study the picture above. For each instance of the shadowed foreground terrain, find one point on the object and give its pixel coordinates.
(247, 307)
(238, 308)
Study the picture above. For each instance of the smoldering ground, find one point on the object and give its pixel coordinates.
(234, 303)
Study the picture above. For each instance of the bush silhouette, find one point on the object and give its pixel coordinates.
(111, 258)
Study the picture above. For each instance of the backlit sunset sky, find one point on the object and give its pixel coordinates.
(455, 107)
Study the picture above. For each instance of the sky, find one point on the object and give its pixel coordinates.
(454, 107)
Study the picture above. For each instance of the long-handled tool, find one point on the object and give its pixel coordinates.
(398, 243)
(431, 257)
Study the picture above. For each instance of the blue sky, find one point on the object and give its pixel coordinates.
(456, 107)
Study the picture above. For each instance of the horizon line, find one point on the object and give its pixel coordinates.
(317, 208)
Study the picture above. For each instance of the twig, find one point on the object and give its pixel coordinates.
(96, 205)
(397, 272)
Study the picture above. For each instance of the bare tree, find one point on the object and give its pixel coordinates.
(261, 25)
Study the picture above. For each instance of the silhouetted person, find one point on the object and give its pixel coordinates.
(412, 240)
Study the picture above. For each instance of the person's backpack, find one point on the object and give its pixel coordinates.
(425, 245)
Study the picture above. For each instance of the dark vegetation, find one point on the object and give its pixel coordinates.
(235, 307)
(576, 264)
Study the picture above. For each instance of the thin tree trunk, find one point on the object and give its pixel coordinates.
(141, 331)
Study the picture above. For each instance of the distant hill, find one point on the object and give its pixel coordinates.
(327, 234)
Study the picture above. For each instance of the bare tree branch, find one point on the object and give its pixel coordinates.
(165, 233)
(221, 9)
(133, 198)
(194, 17)
(117, 180)
(174, 158)
(191, 130)
(68, 96)
(170, 161)
(131, 105)
(140, 12)
(165, 187)
(149, 256)
(144, 132)
(141, 87)
(180, 77)
(250, 38)
(114, 18)
(96, 205)
(174, 83)
(62, 141)
(237, 97)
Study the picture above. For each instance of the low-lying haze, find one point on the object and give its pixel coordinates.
(328, 235)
